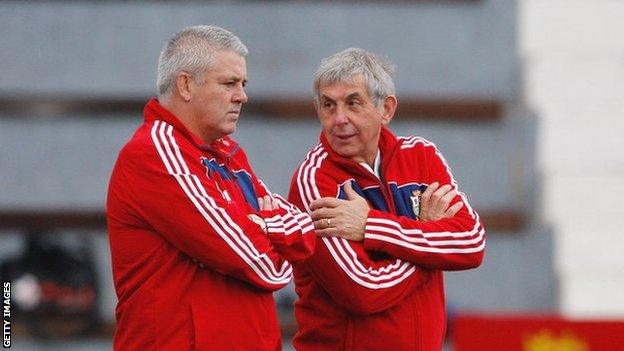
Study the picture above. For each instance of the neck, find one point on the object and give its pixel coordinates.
(370, 159)
(182, 111)
(371, 154)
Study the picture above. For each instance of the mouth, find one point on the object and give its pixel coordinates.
(235, 109)
(344, 136)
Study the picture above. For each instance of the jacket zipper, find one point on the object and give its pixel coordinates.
(384, 188)
(385, 161)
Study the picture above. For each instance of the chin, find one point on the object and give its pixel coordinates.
(230, 129)
(344, 151)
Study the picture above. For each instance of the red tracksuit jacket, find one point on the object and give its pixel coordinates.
(191, 270)
(387, 292)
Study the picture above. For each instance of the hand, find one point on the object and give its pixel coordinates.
(267, 203)
(341, 218)
(258, 220)
(434, 202)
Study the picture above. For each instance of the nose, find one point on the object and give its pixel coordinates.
(341, 118)
(240, 95)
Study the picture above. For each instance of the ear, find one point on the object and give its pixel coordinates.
(184, 85)
(388, 108)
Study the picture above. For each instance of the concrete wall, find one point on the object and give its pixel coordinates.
(66, 162)
(111, 48)
(574, 78)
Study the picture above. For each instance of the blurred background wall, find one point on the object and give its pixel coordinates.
(573, 69)
(524, 102)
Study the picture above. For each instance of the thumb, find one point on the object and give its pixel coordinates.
(351, 194)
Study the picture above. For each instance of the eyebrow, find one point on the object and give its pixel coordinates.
(354, 96)
(235, 79)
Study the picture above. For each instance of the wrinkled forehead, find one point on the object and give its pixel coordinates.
(342, 87)
(228, 62)
(332, 79)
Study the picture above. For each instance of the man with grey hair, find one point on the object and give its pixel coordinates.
(388, 215)
(198, 243)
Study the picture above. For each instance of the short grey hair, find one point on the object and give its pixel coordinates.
(346, 65)
(193, 50)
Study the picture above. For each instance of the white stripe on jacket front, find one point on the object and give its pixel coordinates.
(469, 241)
(216, 216)
(344, 255)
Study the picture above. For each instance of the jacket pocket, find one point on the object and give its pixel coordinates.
(217, 329)
(203, 330)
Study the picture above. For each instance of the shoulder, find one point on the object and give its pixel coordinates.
(418, 147)
(316, 176)
(154, 140)
(139, 143)
(315, 164)
(414, 143)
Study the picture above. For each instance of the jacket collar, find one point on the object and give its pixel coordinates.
(225, 147)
